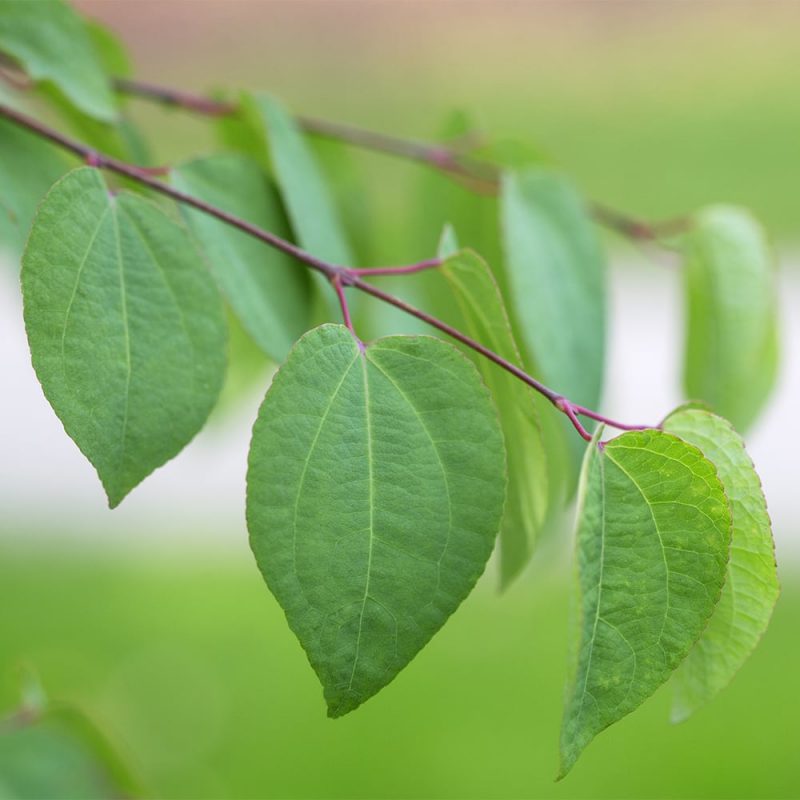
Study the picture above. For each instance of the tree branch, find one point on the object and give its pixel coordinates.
(339, 275)
(479, 175)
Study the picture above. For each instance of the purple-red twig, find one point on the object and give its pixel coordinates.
(339, 275)
(431, 263)
(480, 176)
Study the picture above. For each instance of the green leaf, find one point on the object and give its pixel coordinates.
(125, 327)
(348, 181)
(109, 49)
(375, 491)
(303, 188)
(652, 549)
(120, 137)
(57, 751)
(751, 588)
(556, 274)
(732, 340)
(485, 319)
(268, 290)
(51, 43)
(29, 166)
(302, 185)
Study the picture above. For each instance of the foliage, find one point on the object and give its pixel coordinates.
(80, 761)
(381, 472)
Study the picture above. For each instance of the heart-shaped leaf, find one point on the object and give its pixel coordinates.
(125, 326)
(375, 490)
(653, 536)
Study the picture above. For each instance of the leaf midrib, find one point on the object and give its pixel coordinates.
(370, 479)
(303, 474)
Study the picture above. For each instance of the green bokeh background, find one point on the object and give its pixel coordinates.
(190, 669)
(185, 661)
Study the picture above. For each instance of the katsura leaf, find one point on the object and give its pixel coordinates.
(556, 273)
(302, 185)
(109, 49)
(50, 42)
(52, 750)
(375, 490)
(732, 339)
(125, 327)
(120, 137)
(529, 470)
(653, 536)
(268, 290)
(29, 166)
(751, 588)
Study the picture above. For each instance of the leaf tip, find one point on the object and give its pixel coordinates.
(114, 494)
(341, 706)
(565, 766)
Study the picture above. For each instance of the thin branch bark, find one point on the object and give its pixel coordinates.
(478, 175)
(339, 275)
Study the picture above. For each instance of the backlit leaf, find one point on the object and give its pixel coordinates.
(653, 536)
(732, 341)
(529, 471)
(751, 588)
(375, 491)
(268, 290)
(125, 327)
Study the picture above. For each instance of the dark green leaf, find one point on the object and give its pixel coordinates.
(267, 289)
(374, 494)
(51, 43)
(751, 588)
(653, 536)
(125, 327)
(732, 340)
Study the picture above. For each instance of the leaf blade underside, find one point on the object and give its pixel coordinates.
(531, 499)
